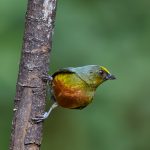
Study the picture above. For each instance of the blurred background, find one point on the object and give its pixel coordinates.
(115, 34)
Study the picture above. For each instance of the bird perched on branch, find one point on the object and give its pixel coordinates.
(74, 88)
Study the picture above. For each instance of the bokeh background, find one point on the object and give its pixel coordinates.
(115, 34)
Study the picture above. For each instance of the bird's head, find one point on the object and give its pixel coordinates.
(99, 74)
(104, 74)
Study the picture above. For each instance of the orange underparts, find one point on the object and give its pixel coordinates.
(70, 91)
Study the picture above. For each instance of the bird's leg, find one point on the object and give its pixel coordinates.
(40, 118)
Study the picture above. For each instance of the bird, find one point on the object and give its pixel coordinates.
(75, 87)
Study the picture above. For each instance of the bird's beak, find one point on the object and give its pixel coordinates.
(110, 77)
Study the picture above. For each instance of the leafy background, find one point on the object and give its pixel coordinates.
(115, 34)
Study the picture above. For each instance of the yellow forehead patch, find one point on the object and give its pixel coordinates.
(103, 68)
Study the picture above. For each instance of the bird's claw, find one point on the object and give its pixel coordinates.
(47, 78)
(40, 118)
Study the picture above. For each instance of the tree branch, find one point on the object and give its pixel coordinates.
(34, 63)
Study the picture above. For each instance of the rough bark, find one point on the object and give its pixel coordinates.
(34, 63)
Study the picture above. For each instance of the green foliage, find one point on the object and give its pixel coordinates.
(114, 34)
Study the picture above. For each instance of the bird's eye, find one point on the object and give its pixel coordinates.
(101, 72)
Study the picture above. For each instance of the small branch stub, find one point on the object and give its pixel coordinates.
(34, 62)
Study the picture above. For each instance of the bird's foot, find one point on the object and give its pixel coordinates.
(47, 78)
(40, 118)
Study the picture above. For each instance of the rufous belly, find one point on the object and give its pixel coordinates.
(74, 94)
